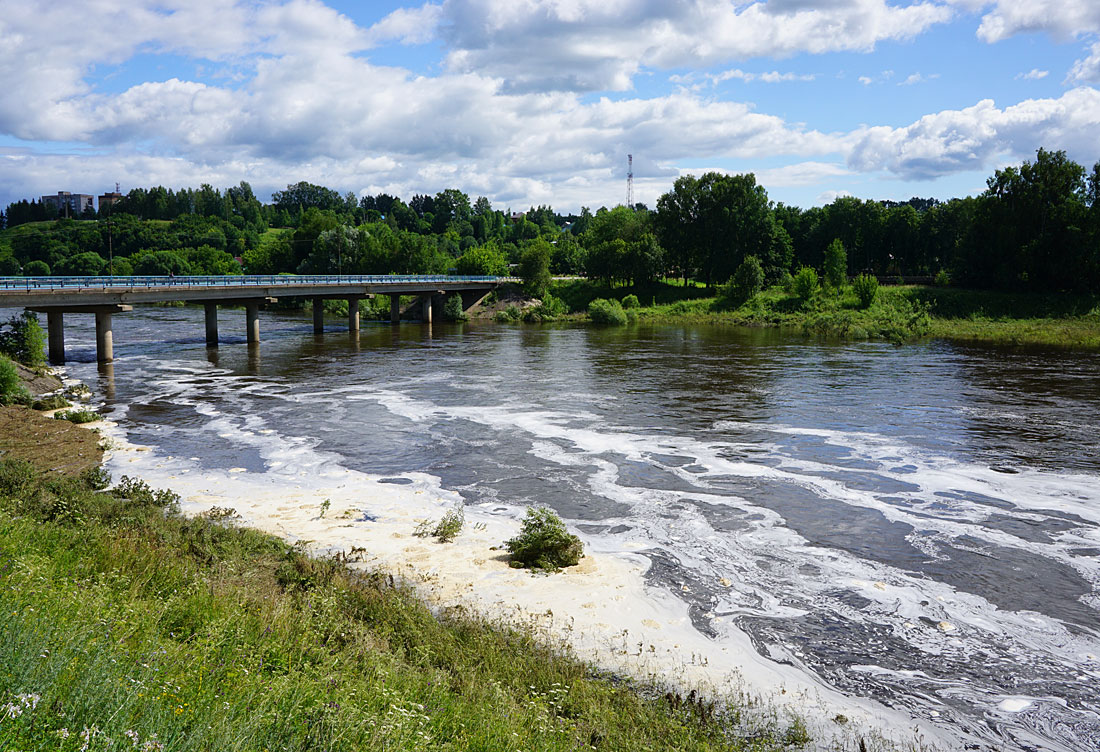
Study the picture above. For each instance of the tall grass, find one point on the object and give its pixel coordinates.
(136, 628)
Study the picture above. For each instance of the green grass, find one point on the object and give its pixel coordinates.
(123, 620)
(898, 313)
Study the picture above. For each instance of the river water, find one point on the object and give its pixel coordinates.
(919, 525)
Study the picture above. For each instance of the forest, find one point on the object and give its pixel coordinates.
(1036, 227)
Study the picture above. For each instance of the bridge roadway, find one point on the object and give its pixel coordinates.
(104, 296)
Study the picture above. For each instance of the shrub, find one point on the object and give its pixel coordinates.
(22, 339)
(53, 402)
(36, 268)
(631, 301)
(544, 543)
(609, 312)
(77, 416)
(509, 315)
(446, 530)
(836, 265)
(805, 283)
(11, 386)
(549, 309)
(942, 279)
(866, 288)
(745, 283)
(487, 261)
(452, 309)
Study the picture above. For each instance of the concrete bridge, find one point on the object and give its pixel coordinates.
(105, 296)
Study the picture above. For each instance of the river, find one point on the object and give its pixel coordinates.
(918, 525)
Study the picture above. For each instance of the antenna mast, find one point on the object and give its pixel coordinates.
(630, 181)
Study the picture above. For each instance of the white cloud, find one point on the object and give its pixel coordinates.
(407, 25)
(970, 139)
(802, 173)
(1064, 19)
(1087, 69)
(828, 197)
(592, 45)
(1033, 75)
(866, 80)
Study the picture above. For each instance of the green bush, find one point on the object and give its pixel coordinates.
(22, 339)
(805, 283)
(608, 312)
(745, 283)
(544, 543)
(836, 265)
(942, 279)
(11, 386)
(77, 416)
(509, 315)
(631, 301)
(452, 309)
(53, 402)
(36, 268)
(866, 288)
(446, 530)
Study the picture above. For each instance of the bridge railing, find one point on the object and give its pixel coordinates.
(232, 280)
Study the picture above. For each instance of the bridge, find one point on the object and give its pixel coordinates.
(105, 296)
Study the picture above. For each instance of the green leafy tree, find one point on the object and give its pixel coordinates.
(87, 264)
(36, 269)
(160, 263)
(746, 282)
(22, 339)
(486, 260)
(836, 265)
(534, 268)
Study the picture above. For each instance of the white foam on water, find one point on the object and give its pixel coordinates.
(605, 608)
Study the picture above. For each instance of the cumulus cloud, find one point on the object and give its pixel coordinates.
(1065, 19)
(970, 139)
(593, 45)
(1087, 69)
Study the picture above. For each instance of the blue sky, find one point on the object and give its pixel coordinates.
(539, 101)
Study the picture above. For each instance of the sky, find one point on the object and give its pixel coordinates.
(532, 102)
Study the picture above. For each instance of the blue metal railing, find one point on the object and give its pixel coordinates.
(237, 280)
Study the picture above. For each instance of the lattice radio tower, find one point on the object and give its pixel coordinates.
(630, 181)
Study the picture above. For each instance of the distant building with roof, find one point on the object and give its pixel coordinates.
(69, 204)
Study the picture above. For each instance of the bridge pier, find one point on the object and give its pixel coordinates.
(104, 338)
(353, 315)
(252, 322)
(211, 311)
(426, 308)
(318, 315)
(55, 326)
(395, 309)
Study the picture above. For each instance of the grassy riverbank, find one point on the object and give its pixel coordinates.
(128, 626)
(898, 313)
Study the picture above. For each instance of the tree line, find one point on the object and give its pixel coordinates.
(1035, 227)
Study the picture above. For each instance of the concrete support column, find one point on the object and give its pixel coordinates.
(395, 309)
(211, 310)
(104, 338)
(426, 309)
(55, 326)
(353, 315)
(318, 315)
(252, 322)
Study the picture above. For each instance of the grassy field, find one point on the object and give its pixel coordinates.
(899, 313)
(127, 626)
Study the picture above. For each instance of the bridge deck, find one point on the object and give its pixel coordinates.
(36, 292)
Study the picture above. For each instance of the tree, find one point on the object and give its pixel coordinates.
(486, 260)
(534, 268)
(709, 224)
(160, 263)
(87, 264)
(836, 265)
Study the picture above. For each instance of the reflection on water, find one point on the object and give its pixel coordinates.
(920, 523)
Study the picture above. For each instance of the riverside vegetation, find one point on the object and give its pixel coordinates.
(129, 626)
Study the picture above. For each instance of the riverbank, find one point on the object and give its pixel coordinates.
(899, 312)
(127, 623)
